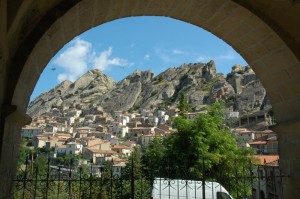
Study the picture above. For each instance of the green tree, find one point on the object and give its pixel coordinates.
(22, 153)
(183, 106)
(153, 157)
(134, 173)
(201, 148)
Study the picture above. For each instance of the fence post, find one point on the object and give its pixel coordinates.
(48, 175)
(203, 179)
(121, 182)
(70, 178)
(258, 181)
(80, 186)
(58, 184)
(132, 177)
(36, 179)
(251, 176)
(236, 178)
(111, 178)
(91, 179)
(244, 178)
(25, 177)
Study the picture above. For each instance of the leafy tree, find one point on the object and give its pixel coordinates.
(202, 148)
(153, 157)
(183, 106)
(134, 170)
(22, 153)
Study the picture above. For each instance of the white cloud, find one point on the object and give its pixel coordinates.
(74, 60)
(80, 55)
(103, 61)
(163, 54)
(132, 45)
(202, 59)
(147, 56)
(230, 55)
(179, 52)
(173, 55)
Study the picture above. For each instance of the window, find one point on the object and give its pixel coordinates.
(222, 195)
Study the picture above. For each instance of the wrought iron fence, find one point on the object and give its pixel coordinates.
(135, 181)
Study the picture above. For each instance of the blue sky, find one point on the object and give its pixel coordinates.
(120, 47)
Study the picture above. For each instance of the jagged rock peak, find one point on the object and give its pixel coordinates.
(141, 90)
(143, 76)
(237, 68)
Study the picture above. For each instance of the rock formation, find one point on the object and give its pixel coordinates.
(240, 89)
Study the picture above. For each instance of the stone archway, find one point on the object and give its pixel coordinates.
(35, 31)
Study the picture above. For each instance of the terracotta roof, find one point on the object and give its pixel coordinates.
(61, 147)
(73, 143)
(32, 127)
(120, 147)
(273, 138)
(257, 143)
(102, 151)
(141, 128)
(267, 159)
(150, 135)
(245, 132)
(84, 128)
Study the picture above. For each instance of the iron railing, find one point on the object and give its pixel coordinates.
(134, 181)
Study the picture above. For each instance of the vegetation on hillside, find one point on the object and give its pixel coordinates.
(202, 148)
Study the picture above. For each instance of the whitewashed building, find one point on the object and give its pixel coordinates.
(73, 148)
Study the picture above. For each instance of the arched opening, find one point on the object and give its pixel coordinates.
(252, 37)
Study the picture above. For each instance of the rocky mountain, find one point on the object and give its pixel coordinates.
(241, 90)
(85, 90)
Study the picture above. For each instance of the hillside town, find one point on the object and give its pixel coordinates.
(96, 137)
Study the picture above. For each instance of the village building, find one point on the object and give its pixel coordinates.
(272, 145)
(269, 179)
(51, 128)
(122, 150)
(79, 121)
(63, 135)
(103, 135)
(84, 131)
(97, 156)
(130, 144)
(138, 131)
(122, 131)
(39, 141)
(101, 128)
(144, 140)
(96, 143)
(163, 118)
(132, 124)
(165, 127)
(73, 148)
(152, 121)
(113, 127)
(60, 150)
(30, 131)
(160, 132)
(101, 120)
(172, 112)
(118, 166)
(53, 143)
(73, 113)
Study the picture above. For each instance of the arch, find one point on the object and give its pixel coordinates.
(38, 30)
(260, 46)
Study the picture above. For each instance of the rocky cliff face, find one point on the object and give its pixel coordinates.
(240, 89)
(88, 88)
